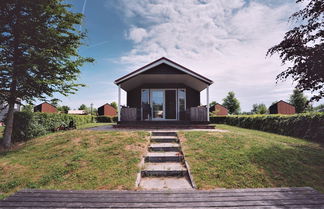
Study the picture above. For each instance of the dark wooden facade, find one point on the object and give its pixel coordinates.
(218, 109)
(107, 110)
(192, 96)
(282, 107)
(45, 107)
(163, 90)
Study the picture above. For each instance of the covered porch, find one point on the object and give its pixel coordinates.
(163, 92)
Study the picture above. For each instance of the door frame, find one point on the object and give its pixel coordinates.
(151, 104)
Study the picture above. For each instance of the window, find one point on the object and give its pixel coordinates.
(145, 103)
(182, 103)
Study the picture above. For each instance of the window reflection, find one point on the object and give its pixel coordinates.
(182, 103)
(146, 109)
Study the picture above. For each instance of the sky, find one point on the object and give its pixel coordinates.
(223, 40)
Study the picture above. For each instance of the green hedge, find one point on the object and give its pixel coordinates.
(308, 126)
(217, 119)
(106, 119)
(28, 125)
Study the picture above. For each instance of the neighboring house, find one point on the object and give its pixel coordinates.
(4, 110)
(45, 107)
(218, 109)
(107, 110)
(163, 90)
(77, 112)
(282, 107)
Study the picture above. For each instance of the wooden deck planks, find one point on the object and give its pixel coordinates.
(233, 198)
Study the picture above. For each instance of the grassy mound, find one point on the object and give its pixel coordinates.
(243, 158)
(76, 160)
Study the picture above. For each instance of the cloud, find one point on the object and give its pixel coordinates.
(224, 40)
(137, 34)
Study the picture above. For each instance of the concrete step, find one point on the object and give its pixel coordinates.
(164, 133)
(165, 183)
(164, 169)
(164, 147)
(164, 139)
(163, 157)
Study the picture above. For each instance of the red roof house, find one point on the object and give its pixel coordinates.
(45, 107)
(282, 107)
(107, 110)
(218, 109)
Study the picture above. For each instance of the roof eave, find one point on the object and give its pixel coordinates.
(182, 68)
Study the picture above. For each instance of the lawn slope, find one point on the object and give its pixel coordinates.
(78, 159)
(243, 158)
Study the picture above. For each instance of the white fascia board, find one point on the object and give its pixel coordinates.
(168, 63)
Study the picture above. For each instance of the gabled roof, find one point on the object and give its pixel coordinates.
(283, 102)
(105, 105)
(166, 61)
(220, 105)
(45, 103)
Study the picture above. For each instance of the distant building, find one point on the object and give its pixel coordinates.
(282, 107)
(218, 109)
(77, 112)
(107, 110)
(45, 107)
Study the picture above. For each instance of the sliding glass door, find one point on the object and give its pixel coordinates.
(157, 102)
(160, 104)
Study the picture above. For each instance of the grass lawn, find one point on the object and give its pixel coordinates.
(91, 125)
(77, 159)
(243, 158)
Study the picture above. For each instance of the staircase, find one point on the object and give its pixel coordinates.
(164, 166)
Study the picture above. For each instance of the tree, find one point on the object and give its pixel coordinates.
(231, 103)
(259, 109)
(55, 102)
(64, 109)
(38, 57)
(212, 103)
(319, 108)
(298, 100)
(303, 46)
(83, 107)
(114, 105)
(27, 108)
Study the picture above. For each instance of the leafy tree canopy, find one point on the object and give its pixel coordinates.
(64, 109)
(39, 42)
(259, 109)
(303, 46)
(212, 103)
(299, 100)
(114, 105)
(231, 103)
(83, 107)
(27, 108)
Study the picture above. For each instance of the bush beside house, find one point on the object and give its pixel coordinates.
(28, 125)
(308, 126)
(106, 119)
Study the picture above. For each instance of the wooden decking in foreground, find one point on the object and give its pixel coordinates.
(303, 197)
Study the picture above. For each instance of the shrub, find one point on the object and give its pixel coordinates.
(308, 126)
(106, 119)
(217, 119)
(28, 125)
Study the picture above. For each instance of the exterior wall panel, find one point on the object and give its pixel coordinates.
(282, 107)
(107, 110)
(218, 110)
(45, 107)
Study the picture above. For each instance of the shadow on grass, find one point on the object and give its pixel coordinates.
(293, 166)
